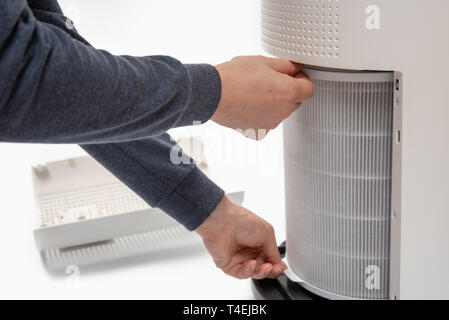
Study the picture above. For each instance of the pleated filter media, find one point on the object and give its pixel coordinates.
(338, 185)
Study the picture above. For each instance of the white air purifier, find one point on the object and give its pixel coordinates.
(367, 158)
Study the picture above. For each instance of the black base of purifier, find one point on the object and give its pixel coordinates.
(281, 288)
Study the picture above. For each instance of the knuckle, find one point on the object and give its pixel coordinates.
(226, 271)
(286, 112)
(310, 91)
(287, 92)
(241, 277)
(291, 94)
(272, 125)
(270, 229)
(283, 113)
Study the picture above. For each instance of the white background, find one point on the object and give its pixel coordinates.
(208, 31)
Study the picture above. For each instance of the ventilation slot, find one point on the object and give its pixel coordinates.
(302, 28)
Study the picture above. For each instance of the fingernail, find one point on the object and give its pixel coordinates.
(269, 271)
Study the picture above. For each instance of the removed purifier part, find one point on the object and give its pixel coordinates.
(85, 215)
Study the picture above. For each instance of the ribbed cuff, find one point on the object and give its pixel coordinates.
(193, 200)
(205, 94)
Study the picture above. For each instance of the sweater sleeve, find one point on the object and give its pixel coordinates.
(56, 89)
(179, 189)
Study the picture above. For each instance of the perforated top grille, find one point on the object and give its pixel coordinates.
(302, 27)
(110, 199)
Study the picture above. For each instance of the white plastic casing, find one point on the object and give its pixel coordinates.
(411, 38)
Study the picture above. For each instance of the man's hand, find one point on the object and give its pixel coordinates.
(260, 92)
(241, 244)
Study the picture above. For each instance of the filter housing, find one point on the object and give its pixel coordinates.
(338, 184)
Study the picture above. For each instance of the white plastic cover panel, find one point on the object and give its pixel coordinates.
(338, 185)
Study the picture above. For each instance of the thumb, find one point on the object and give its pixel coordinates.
(284, 66)
(303, 87)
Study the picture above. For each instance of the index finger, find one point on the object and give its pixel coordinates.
(285, 66)
(303, 86)
(270, 249)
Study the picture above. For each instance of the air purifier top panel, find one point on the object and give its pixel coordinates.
(354, 34)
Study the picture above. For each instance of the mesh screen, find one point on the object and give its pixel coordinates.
(338, 187)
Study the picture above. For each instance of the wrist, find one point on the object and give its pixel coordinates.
(218, 114)
(218, 219)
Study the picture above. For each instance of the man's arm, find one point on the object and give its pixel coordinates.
(56, 89)
(181, 190)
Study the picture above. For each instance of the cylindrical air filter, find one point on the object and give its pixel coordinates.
(338, 185)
